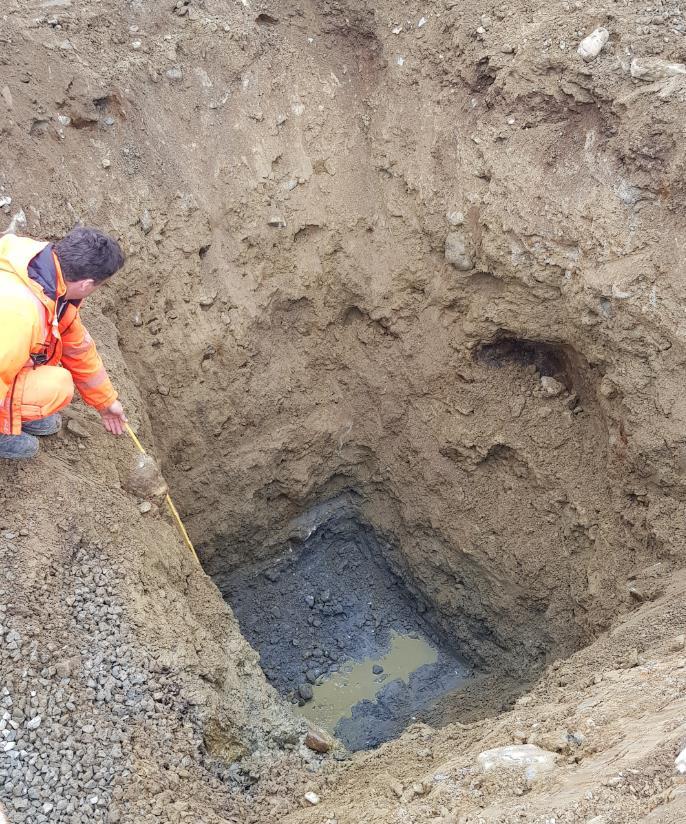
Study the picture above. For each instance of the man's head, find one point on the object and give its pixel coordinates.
(87, 258)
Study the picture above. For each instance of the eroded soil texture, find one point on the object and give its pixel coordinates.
(330, 601)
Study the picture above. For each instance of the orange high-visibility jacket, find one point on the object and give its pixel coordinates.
(38, 328)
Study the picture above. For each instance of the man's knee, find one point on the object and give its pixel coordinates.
(63, 388)
(54, 387)
(46, 390)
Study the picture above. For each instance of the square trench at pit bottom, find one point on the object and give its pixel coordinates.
(327, 604)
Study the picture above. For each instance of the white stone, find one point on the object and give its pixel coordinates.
(145, 221)
(18, 222)
(34, 723)
(312, 798)
(456, 252)
(591, 46)
(651, 69)
(680, 762)
(550, 387)
(526, 757)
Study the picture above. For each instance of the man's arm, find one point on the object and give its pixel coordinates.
(80, 356)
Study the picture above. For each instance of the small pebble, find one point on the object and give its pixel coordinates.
(34, 723)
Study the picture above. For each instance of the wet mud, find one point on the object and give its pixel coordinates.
(341, 636)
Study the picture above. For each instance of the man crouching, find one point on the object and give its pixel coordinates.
(45, 350)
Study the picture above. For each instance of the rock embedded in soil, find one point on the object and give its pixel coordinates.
(318, 740)
(591, 46)
(550, 387)
(146, 223)
(652, 69)
(77, 429)
(525, 758)
(145, 479)
(456, 252)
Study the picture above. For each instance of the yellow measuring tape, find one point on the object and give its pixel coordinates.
(170, 503)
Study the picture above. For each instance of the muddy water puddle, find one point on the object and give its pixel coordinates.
(357, 681)
(323, 614)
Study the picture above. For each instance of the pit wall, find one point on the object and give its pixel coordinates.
(340, 351)
(282, 364)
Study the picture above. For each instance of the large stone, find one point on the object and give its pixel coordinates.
(525, 758)
(456, 252)
(145, 479)
(77, 429)
(651, 69)
(318, 740)
(591, 46)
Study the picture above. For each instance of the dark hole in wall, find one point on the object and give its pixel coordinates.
(547, 358)
(266, 20)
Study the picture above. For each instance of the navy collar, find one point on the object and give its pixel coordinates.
(42, 270)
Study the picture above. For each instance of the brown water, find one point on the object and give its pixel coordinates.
(334, 699)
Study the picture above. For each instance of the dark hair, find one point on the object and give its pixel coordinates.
(88, 254)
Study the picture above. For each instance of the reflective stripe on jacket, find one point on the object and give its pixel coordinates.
(37, 328)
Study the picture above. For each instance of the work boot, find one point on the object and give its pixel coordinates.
(18, 447)
(43, 426)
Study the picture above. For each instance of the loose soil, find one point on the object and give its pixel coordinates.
(358, 239)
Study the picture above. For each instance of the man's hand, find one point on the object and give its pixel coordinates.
(113, 418)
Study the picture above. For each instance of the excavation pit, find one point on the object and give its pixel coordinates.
(341, 636)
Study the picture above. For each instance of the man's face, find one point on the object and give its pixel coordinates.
(80, 289)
